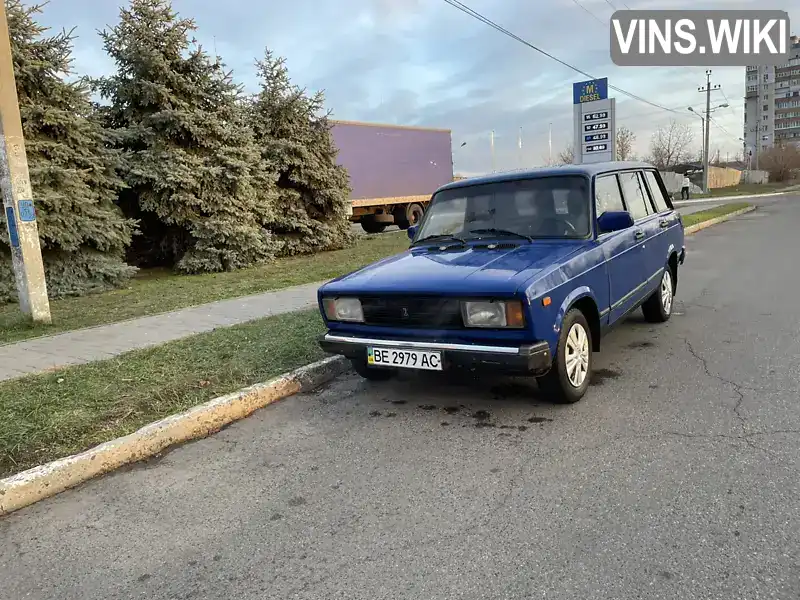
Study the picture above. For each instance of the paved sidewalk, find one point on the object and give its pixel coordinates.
(106, 341)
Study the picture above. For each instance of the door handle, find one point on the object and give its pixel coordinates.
(639, 234)
(663, 223)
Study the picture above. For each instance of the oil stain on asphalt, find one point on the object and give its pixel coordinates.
(643, 344)
(600, 376)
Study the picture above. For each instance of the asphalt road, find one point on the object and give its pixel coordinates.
(675, 478)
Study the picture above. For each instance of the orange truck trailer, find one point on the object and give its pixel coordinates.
(393, 170)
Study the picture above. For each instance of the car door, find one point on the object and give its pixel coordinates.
(647, 230)
(668, 218)
(622, 251)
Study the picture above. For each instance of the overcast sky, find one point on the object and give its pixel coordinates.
(423, 62)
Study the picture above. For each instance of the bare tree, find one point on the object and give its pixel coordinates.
(566, 156)
(669, 145)
(625, 140)
(782, 162)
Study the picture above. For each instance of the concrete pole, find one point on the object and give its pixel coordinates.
(707, 128)
(492, 144)
(15, 187)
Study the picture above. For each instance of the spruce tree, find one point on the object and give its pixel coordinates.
(196, 179)
(294, 135)
(72, 171)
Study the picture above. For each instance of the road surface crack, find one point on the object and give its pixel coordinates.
(737, 389)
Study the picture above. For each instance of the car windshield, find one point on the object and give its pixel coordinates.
(542, 207)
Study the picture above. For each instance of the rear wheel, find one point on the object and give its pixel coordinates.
(371, 225)
(372, 373)
(405, 217)
(658, 307)
(568, 378)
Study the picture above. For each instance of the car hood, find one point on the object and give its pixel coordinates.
(464, 270)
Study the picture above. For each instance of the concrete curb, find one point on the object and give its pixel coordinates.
(47, 480)
(702, 225)
(708, 199)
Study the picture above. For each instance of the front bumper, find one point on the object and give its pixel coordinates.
(528, 359)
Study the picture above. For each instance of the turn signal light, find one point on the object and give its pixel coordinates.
(514, 314)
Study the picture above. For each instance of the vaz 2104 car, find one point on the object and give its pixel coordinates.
(520, 273)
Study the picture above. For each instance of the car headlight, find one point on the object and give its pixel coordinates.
(343, 309)
(493, 313)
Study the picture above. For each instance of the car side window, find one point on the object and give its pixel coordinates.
(634, 195)
(656, 191)
(607, 197)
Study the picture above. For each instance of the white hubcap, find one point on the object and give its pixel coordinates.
(577, 355)
(666, 292)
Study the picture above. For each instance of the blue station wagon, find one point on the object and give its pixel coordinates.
(521, 273)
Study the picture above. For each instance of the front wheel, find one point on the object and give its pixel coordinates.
(568, 378)
(658, 307)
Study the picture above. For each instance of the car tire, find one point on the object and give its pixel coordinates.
(371, 373)
(658, 307)
(562, 382)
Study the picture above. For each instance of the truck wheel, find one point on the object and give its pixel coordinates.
(370, 225)
(409, 215)
(568, 378)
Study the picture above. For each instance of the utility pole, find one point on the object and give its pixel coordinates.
(15, 187)
(520, 147)
(550, 143)
(707, 126)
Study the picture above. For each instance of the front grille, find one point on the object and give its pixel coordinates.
(414, 312)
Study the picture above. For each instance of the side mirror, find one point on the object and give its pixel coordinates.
(412, 231)
(614, 221)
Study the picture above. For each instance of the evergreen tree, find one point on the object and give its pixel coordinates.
(196, 179)
(294, 134)
(72, 171)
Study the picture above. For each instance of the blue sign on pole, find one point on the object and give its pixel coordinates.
(589, 91)
(27, 212)
(13, 235)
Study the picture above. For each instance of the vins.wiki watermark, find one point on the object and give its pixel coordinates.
(699, 38)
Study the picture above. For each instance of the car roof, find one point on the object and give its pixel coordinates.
(587, 170)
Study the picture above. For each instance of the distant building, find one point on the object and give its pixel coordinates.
(772, 104)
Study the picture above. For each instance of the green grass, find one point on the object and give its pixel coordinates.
(713, 213)
(53, 415)
(157, 291)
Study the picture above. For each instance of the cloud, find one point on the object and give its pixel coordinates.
(427, 63)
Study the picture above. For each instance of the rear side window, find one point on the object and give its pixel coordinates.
(634, 195)
(607, 197)
(655, 190)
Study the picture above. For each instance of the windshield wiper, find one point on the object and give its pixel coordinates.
(502, 232)
(440, 236)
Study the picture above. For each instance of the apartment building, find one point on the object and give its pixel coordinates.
(772, 103)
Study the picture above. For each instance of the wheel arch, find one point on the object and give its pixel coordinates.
(583, 299)
(672, 263)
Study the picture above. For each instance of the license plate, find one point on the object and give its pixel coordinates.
(409, 359)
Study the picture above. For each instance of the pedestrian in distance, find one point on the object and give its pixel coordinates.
(685, 188)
